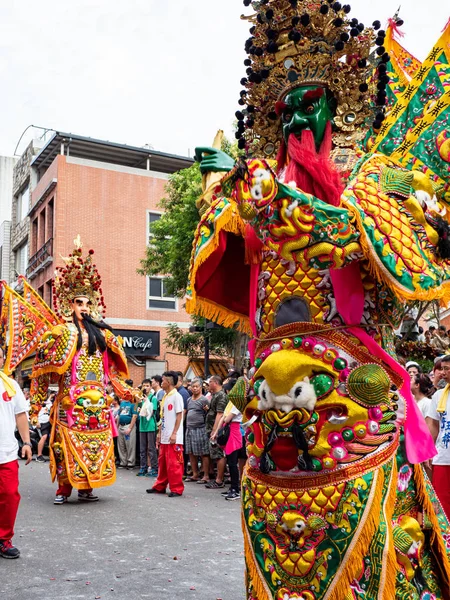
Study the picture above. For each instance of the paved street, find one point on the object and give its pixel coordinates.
(129, 545)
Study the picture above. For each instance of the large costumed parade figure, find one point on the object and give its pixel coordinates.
(77, 352)
(317, 256)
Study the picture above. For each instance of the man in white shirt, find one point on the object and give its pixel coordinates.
(438, 420)
(12, 414)
(170, 440)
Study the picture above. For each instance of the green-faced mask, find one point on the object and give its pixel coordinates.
(306, 108)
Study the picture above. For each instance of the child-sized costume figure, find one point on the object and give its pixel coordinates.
(77, 352)
(335, 503)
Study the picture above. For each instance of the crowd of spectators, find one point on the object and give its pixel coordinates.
(178, 421)
(431, 392)
(171, 435)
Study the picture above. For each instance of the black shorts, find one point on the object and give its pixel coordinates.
(45, 429)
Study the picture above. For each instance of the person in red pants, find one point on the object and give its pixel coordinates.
(170, 439)
(13, 409)
(438, 420)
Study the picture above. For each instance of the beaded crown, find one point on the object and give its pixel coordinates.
(295, 43)
(78, 277)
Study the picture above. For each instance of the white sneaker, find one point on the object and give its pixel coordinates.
(60, 499)
(87, 497)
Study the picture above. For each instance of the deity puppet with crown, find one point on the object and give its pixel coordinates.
(76, 351)
(316, 250)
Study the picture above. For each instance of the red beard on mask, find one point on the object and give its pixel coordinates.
(312, 171)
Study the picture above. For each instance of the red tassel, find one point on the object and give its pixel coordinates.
(253, 246)
(395, 29)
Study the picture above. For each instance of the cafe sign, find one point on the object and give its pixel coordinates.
(140, 343)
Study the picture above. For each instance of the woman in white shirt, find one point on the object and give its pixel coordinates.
(421, 388)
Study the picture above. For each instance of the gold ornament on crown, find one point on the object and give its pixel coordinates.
(78, 278)
(314, 59)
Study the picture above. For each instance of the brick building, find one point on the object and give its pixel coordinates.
(109, 194)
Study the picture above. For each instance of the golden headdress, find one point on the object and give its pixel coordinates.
(78, 277)
(295, 43)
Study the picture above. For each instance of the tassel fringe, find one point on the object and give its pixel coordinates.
(379, 271)
(259, 585)
(351, 564)
(363, 537)
(437, 541)
(218, 314)
(390, 565)
(231, 222)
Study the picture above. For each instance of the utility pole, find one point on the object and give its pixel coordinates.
(206, 334)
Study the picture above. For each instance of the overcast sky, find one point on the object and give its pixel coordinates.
(159, 72)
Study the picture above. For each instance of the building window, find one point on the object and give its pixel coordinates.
(152, 218)
(21, 260)
(158, 297)
(23, 203)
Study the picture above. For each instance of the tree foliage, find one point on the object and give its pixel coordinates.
(172, 235)
(170, 251)
(221, 340)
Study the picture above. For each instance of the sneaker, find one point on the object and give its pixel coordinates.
(225, 492)
(87, 497)
(233, 495)
(141, 473)
(214, 485)
(7, 550)
(40, 459)
(152, 473)
(60, 499)
(174, 495)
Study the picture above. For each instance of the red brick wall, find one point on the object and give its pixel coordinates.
(108, 209)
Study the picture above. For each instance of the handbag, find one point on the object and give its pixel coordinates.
(223, 435)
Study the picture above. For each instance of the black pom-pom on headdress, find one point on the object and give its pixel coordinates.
(305, 20)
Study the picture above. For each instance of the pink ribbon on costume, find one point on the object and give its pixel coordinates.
(73, 382)
(349, 295)
(105, 368)
(115, 431)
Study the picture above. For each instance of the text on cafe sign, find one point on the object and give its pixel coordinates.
(140, 343)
